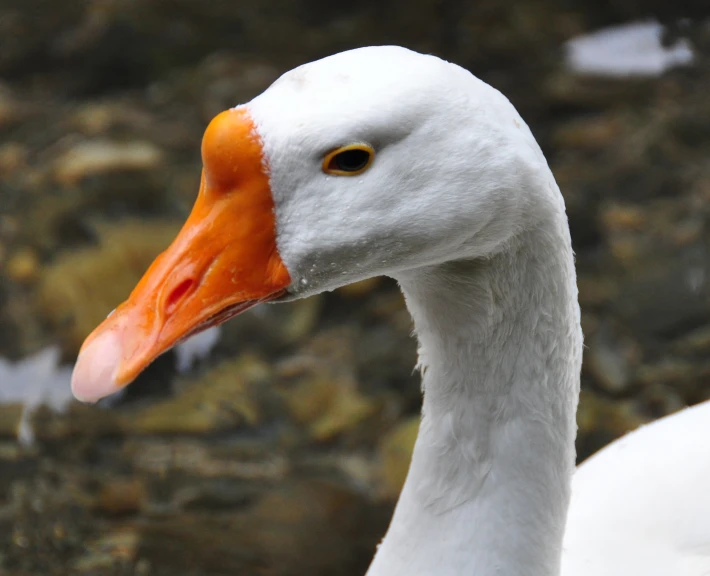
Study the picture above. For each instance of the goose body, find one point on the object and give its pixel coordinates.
(384, 161)
(642, 505)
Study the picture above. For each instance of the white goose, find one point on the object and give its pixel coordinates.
(384, 161)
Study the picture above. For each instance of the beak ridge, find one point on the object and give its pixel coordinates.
(224, 261)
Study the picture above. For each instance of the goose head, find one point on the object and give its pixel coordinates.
(373, 161)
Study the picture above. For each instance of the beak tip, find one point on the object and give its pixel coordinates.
(95, 370)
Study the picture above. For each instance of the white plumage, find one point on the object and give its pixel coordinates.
(642, 505)
(460, 207)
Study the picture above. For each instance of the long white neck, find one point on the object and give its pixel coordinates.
(500, 353)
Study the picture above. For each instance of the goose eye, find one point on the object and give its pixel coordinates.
(348, 160)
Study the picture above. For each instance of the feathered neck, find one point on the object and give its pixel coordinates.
(500, 354)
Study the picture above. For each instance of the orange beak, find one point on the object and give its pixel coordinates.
(223, 261)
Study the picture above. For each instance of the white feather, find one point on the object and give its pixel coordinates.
(461, 208)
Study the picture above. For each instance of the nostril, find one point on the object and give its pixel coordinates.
(178, 294)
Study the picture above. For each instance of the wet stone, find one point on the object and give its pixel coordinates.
(115, 550)
(10, 418)
(395, 454)
(611, 358)
(121, 497)
(301, 319)
(600, 420)
(13, 156)
(320, 389)
(193, 458)
(225, 397)
(98, 157)
(666, 297)
(10, 110)
(361, 288)
(23, 266)
(588, 133)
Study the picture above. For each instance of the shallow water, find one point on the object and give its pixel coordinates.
(281, 451)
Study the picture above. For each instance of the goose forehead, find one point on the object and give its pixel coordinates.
(354, 91)
(361, 70)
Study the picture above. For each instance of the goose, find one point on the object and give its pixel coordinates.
(383, 161)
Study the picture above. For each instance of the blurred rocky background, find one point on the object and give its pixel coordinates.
(278, 445)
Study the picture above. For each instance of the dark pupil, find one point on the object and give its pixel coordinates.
(352, 160)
